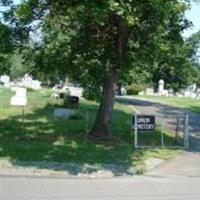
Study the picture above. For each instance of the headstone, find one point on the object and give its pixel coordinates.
(76, 91)
(161, 85)
(63, 112)
(171, 92)
(198, 93)
(187, 93)
(149, 91)
(28, 82)
(193, 95)
(5, 80)
(71, 102)
(20, 98)
(190, 91)
(36, 85)
(165, 93)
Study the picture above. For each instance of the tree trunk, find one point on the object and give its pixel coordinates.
(103, 120)
(104, 116)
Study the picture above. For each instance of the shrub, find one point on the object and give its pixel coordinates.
(92, 93)
(134, 89)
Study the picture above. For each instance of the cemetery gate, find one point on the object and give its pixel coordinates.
(153, 131)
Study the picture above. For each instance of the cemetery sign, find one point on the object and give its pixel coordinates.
(20, 98)
(144, 122)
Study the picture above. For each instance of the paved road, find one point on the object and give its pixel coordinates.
(137, 188)
(185, 164)
(168, 115)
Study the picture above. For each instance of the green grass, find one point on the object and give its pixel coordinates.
(185, 103)
(46, 138)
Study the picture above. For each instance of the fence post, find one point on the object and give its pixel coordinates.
(162, 135)
(86, 124)
(135, 133)
(186, 132)
(177, 129)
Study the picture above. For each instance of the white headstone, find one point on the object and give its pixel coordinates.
(187, 93)
(149, 91)
(28, 82)
(36, 85)
(190, 91)
(76, 91)
(193, 95)
(161, 85)
(6, 80)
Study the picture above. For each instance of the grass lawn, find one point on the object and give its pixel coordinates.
(47, 138)
(186, 103)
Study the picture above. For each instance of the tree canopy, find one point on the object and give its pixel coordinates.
(5, 47)
(98, 42)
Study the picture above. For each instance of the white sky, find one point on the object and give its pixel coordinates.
(194, 16)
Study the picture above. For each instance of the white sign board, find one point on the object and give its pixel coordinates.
(20, 98)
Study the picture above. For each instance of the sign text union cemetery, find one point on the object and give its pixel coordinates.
(144, 122)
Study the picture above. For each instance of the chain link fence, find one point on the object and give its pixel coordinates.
(169, 131)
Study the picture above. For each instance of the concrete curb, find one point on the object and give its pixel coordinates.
(65, 170)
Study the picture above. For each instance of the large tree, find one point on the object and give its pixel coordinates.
(11, 34)
(98, 42)
(194, 42)
(5, 48)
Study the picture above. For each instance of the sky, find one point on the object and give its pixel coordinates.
(194, 16)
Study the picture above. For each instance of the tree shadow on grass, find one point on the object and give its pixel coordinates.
(46, 142)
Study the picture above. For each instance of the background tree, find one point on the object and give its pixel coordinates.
(17, 66)
(5, 48)
(194, 41)
(11, 34)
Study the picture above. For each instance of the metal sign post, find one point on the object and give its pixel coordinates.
(135, 132)
(186, 134)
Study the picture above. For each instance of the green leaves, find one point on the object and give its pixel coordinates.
(80, 37)
(23, 12)
(125, 10)
(5, 39)
(4, 64)
(6, 48)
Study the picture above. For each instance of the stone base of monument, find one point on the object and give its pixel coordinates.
(63, 112)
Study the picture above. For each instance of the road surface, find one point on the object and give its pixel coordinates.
(136, 188)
